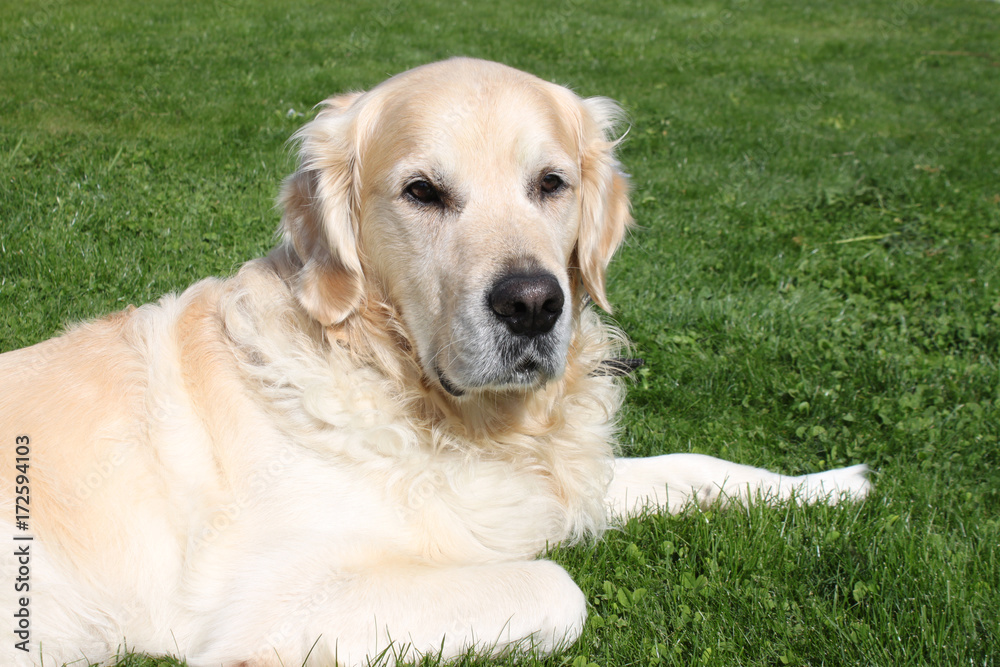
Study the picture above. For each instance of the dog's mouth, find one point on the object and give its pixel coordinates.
(448, 386)
(526, 373)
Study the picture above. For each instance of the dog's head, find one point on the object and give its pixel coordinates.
(482, 202)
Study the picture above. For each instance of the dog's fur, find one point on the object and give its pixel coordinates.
(362, 441)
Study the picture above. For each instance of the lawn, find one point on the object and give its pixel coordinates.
(814, 281)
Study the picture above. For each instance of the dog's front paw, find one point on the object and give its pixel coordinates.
(834, 486)
(553, 613)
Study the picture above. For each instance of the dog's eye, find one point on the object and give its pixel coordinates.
(423, 192)
(551, 183)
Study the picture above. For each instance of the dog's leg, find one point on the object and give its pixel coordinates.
(396, 610)
(670, 482)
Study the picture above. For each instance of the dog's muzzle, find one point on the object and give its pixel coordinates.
(519, 338)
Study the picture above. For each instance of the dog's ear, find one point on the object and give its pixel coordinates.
(605, 213)
(319, 218)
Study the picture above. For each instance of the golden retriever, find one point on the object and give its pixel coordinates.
(356, 446)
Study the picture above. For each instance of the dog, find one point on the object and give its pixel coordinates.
(355, 448)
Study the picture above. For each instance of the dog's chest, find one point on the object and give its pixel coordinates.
(439, 508)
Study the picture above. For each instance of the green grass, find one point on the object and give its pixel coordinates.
(814, 282)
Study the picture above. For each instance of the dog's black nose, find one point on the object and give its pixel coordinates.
(528, 304)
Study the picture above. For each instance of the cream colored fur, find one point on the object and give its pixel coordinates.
(326, 455)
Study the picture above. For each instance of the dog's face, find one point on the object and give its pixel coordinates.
(481, 201)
